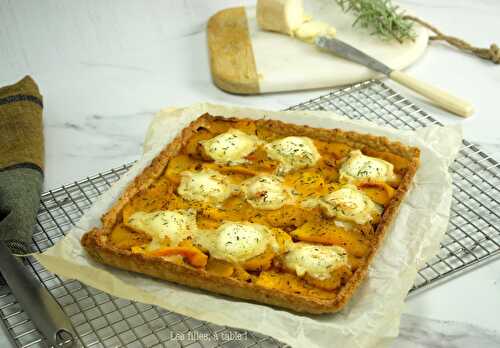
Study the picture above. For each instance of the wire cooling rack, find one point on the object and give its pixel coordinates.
(102, 320)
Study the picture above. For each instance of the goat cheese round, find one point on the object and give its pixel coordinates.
(265, 192)
(237, 242)
(350, 204)
(206, 186)
(230, 147)
(360, 168)
(176, 225)
(293, 153)
(317, 261)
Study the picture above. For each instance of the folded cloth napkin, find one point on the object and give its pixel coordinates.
(21, 163)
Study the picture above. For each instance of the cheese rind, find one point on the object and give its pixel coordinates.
(282, 16)
(173, 225)
(317, 261)
(206, 186)
(359, 168)
(265, 192)
(293, 153)
(231, 147)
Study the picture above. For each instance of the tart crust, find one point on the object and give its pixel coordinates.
(95, 240)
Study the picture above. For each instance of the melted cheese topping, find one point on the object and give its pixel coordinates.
(349, 204)
(231, 147)
(174, 225)
(237, 242)
(360, 168)
(265, 192)
(317, 261)
(293, 153)
(206, 186)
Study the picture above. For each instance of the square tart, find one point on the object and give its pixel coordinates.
(269, 278)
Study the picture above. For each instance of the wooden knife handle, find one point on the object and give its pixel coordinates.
(439, 97)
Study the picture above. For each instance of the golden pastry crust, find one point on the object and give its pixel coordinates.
(96, 240)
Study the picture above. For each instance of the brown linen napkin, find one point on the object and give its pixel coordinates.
(21, 162)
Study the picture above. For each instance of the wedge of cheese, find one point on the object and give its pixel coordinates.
(282, 16)
(287, 17)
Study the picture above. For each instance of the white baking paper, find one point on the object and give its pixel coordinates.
(371, 318)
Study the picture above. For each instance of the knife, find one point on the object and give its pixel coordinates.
(437, 96)
(37, 302)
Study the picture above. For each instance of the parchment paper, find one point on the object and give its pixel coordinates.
(370, 319)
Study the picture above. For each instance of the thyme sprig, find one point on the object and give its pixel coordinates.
(384, 19)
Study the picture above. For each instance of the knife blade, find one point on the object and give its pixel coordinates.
(346, 51)
(439, 97)
(36, 301)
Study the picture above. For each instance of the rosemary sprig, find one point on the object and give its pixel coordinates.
(380, 16)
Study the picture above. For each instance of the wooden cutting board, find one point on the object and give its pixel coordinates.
(247, 60)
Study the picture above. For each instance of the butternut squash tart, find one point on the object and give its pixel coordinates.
(261, 210)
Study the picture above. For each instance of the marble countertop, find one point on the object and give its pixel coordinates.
(105, 68)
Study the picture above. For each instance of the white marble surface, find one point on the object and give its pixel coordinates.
(105, 67)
